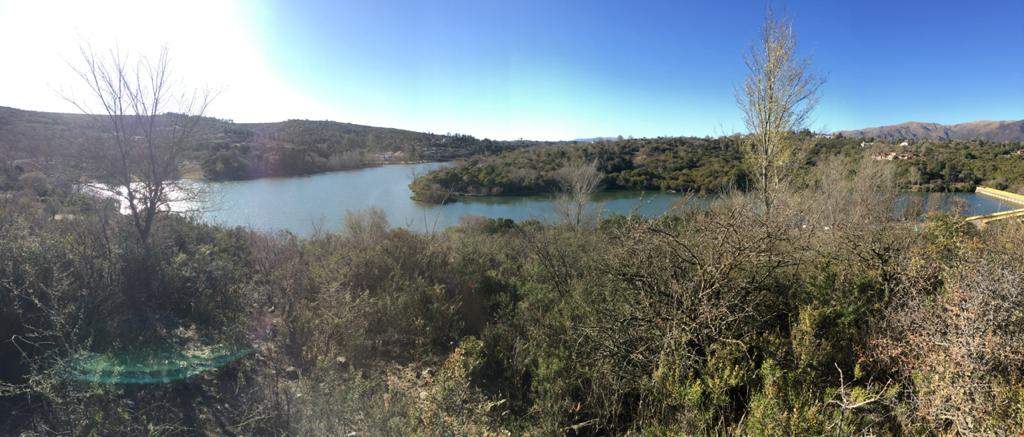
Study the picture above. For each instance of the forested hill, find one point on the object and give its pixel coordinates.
(230, 151)
(998, 131)
(715, 164)
(682, 163)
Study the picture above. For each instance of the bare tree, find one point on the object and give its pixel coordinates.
(777, 97)
(578, 181)
(151, 124)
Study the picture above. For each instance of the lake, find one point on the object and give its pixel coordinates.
(302, 204)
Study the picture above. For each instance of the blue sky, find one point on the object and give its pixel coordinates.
(587, 68)
(568, 69)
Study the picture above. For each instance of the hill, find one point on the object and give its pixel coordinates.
(998, 131)
(231, 151)
(707, 165)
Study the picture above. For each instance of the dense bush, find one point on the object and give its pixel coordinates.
(83, 286)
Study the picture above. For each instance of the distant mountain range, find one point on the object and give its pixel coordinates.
(596, 139)
(1000, 131)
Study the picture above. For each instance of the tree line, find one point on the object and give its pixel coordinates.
(715, 165)
(224, 150)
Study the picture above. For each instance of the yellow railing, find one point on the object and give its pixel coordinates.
(1005, 196)
(1001, 195)
(984, 219)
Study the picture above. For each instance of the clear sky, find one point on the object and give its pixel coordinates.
(540, 69)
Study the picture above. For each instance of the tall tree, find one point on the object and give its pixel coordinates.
(578, 181)
(150, 125)
(778, 95)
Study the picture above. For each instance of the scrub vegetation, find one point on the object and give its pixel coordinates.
(830, 316)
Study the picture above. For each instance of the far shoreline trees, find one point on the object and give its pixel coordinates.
(707, 166)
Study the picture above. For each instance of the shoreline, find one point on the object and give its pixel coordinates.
(301, 175)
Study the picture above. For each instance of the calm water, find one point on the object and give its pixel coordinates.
(301, 204)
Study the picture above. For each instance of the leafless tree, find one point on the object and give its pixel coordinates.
(578, 181)
(777, 97)
(151, 124)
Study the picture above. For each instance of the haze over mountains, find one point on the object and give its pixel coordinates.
(999, 131)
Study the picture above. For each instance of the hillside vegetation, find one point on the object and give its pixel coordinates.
(229, 151)
(704, 165)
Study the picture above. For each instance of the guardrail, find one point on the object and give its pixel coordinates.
(1006, 196)
(1001, 195)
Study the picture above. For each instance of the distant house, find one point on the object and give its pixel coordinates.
(904, 144)
(890, 156)
(1019, 153)
(392, 156)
